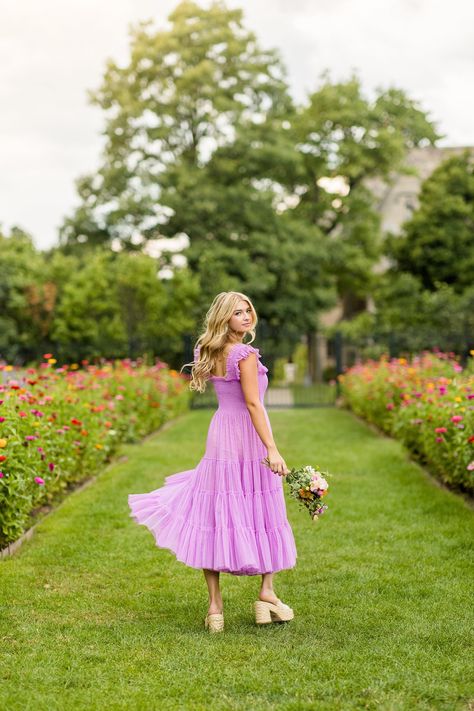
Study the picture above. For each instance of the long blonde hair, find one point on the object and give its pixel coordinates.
(216, 336)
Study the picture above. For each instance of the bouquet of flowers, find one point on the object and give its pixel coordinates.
(307, 486)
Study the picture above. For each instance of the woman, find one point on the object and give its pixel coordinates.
(228, 514)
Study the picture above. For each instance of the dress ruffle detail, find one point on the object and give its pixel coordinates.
(236, 353)
(234, 523)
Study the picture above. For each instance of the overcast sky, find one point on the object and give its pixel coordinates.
(52, 51)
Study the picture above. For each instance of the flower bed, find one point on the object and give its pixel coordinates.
(427, 403)
(58, 426)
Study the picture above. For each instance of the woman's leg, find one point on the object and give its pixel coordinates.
(266, 591)
(215, 596)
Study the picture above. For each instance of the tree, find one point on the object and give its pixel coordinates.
(179, 98)
(340, 134)
(27, 297)
(437, 243)
(116, 306)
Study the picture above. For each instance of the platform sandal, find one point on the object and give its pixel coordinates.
(266, 612)
(214, 622)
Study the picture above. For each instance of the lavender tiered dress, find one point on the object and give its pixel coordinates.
(228, 513)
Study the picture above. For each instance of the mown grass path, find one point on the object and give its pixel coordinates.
(94, 616)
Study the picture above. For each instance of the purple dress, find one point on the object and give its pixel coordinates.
(228, 513)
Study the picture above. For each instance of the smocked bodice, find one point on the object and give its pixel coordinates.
(227, 387)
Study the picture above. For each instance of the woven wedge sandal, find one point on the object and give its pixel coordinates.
(266, 612)
(215, 622)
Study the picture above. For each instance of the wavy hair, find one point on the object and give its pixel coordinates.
(216, 335)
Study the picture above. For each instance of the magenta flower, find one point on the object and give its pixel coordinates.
(2, 419)
(39, 480)
(30, 438)
(442, 390)
(439, 439)
(456, 418)
(441, 430)
(1, 475)
(37, 413)
(51, 466)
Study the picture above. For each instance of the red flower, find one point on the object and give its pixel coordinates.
(471, 438)
(47, 355)
(2, 457)
(75, 421)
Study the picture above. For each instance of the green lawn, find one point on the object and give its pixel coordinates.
(94, 616)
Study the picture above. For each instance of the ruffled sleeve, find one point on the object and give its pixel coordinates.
(242, 350)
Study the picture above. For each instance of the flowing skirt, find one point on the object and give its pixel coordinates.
(228, 514)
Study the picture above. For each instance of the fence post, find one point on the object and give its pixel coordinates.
(338, 355)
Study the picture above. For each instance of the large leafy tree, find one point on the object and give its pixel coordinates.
(343, 135)
(437, 243)
(180, 97)
(202, 138)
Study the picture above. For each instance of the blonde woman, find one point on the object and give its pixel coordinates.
(228, 515)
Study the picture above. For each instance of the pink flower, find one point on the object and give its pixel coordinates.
(439, 439)
(22, 414)
(470, 467)
(39, 480)
(51, 466)
(456, 418)
(442, 390)
(390, 406)
(441, 430)
(30, 438)
(1, 475)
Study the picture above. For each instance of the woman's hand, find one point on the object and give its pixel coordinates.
(276, 462)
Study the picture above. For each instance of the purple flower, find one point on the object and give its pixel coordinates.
(51, 466)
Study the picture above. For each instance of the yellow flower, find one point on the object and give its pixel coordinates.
(8, 367)
(458, 399)
(99, 446)
(472, 352)
(3, 442)
(52, 361)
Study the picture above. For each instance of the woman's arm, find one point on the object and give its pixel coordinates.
(249, 381)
